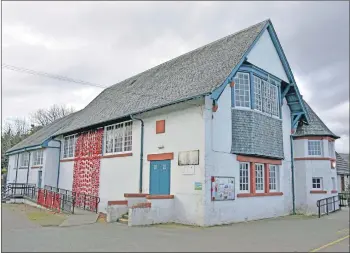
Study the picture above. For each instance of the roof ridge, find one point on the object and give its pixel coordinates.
(189, 52)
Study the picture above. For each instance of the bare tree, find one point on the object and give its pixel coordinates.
(43, 117)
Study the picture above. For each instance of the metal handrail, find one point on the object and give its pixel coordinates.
(328, 202)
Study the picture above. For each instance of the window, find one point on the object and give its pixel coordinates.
(259, 177)
(118, 137)
(244, 177)
(273, 178)
(266, 96)
(69, 146)
(38, 157)
(317, 183)
(331, 151)
(24, 159)
(242, 90)
(334, 187)
(315, 148)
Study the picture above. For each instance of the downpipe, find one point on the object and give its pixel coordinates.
(141, 151)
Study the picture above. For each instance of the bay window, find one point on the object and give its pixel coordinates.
(265, 93)
(314, 148)
(118, 138)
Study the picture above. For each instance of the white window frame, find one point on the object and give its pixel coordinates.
(70, 149)
(266, 96)
(259, 180)
(38, 157)
(331, 149)
(24, 160)
(316, 183)
(274, 178)
(312, 152)
(239, 83)
(244, 177)
(124, 131)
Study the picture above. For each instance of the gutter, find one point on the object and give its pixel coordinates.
(141, 151)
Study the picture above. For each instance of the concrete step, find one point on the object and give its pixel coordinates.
(123, 221)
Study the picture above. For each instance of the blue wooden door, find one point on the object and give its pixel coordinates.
(40, 178)
(160, 177)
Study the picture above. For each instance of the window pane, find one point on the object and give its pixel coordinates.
(118, 138)
(242, 90)
(259, 180)
(109, 139)
(314, 148)
(128, 136)
(244, 177)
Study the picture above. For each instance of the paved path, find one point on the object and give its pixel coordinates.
(294, 233)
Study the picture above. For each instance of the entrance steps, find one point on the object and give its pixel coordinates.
(124, 219)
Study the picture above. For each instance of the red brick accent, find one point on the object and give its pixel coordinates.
(67, 160)
(252, 178)
(267, 177)
(160, 126)
(232, 84)
(117, 155)
(243, 158)
(36, 166)
(318, 192)
(247, 195)
(314, 138)
(160, 157)
(314, 158)
(215, 108)
(334, 191)
(135, 195)
(142, 205)
(160, 197)
(117, 202)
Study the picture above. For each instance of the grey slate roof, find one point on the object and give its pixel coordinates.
(342, 163)
(315, 126)
(193, 74)
(44, 133)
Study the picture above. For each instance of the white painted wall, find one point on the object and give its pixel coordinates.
(220, 162)
(264, 55)
(11, 169)
(50, 171)
(66, 175)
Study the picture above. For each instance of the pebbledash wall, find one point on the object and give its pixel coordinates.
(306, 168)
(219, 161)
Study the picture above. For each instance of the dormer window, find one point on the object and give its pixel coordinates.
(260, 93)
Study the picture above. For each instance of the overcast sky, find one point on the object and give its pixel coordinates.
(108, 42)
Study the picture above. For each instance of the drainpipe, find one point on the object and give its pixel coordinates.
(141, 151)
(28, 167)
(292, 169)
(17, 168)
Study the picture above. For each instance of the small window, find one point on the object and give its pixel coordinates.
(24, 161)
(315, 148)
(273, 178)
(244, 177)
(69, 146)
(334, 187)
(331, 150)
(242, 90)
(317, 183)
(38, 156)
(259, 177)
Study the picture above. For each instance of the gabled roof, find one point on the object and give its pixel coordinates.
(316, 127)
(39, 137)
(342, 163)
(193, 74)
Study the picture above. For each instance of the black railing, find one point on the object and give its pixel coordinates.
(52, 197)
(328, 205)
(344, 198)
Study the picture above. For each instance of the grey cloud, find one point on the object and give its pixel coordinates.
(106, 42)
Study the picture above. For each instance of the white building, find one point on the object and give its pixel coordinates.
(205, 139)
(343, 171)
